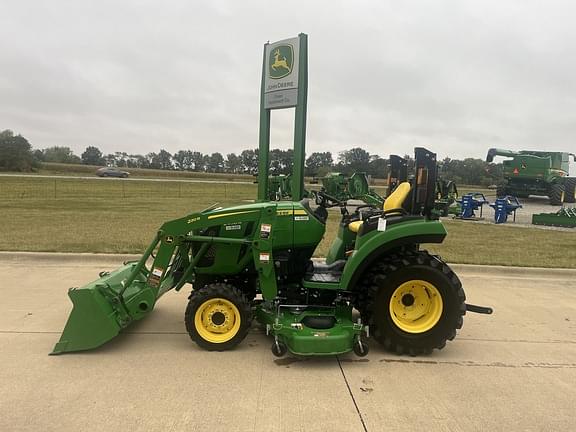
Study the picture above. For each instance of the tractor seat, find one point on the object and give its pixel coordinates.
(393, 202)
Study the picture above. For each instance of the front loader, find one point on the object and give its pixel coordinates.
(254, 261)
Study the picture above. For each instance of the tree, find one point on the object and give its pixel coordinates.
(121, 159)
(153, 161)
(354, 160)
(281, 161)
(183, 160)
(249, 161)
(140, 161)
(215, 163)
(110, 160)
(38, 155)
(15, 152)
(162, 160)
(92, 156)
(318, 160)
(60, 154)
(378, 167)
(233, 163)
(468, 171)
(197, 161)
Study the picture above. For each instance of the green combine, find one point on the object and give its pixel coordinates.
(254, 261)
(536, 173)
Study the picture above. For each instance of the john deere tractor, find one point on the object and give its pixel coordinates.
(253, 261)
(530, 172)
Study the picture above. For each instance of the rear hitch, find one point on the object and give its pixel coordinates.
(479, 309)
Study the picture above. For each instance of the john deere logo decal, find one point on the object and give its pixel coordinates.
(281, 61)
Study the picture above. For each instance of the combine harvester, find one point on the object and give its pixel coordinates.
(254, 261)
(536, 173)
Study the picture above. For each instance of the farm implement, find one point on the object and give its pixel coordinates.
(565, 217)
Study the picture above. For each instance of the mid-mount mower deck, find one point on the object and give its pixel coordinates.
(254, 261)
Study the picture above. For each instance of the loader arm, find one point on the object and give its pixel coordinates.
(109, 304)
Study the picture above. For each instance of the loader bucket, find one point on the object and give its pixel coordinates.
(103, 308)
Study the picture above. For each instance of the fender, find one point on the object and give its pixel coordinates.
(378, 243)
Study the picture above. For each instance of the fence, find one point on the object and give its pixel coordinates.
(14, 188)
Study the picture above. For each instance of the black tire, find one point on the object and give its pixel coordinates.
(279, 349)
(241, 318)
(361, 348)
(556, 194)
(383, 280)
(570, 190)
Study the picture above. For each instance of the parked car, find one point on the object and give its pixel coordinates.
(111, 172)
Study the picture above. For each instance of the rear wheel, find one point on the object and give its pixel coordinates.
(570, 190)
(414, 303)
(218, 317)
(557, 194)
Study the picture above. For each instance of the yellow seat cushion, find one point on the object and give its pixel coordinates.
(355, 226)
(397, 198)
(394, 201)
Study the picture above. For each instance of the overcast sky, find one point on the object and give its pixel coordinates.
(455, 76)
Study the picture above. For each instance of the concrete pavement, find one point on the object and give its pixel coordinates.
(513, 370)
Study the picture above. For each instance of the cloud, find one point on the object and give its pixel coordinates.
(455, 76)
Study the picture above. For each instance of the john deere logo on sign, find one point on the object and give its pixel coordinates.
(281, 61)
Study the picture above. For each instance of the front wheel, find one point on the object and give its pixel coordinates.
(415, 303)
(218, 317)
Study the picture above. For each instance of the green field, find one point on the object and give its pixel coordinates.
(117, 216)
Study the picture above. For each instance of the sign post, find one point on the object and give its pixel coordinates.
(284, 85)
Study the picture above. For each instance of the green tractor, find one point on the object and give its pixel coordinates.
(279, 187)
(536, 173)
(254, 261)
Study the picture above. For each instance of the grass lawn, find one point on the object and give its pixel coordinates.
(115, 216)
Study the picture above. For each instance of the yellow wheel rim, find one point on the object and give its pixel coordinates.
(217, 320)
(416, 306)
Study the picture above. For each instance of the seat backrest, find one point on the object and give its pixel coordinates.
(397, 198)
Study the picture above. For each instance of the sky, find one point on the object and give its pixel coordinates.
(455, 76)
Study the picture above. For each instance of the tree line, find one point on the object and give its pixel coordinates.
(16, 154)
